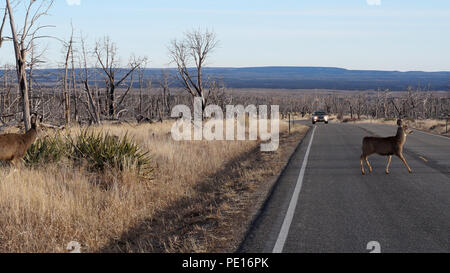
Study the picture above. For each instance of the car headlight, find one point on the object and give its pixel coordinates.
(326, 118)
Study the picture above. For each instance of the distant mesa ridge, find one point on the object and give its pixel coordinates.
(281, 77)
(330, 78)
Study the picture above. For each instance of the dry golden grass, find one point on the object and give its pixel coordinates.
(432, 126)
(427, 125)
(42, 210)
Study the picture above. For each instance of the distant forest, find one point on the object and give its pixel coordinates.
(295, 78)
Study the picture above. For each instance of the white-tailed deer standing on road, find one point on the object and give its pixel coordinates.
(386, 147)
(13, 147)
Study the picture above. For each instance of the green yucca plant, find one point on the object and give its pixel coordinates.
(47, 150)
(103, 151)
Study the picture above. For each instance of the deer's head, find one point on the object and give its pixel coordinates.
(35, 120)
(404, 127)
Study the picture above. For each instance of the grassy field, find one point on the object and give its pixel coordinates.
(197, 192)
(427, 125)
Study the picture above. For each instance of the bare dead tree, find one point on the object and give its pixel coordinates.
(148, 82)
(36, 58)
(124, 95)
(7, 100)
(399, 113)
(74, 85)
(92, 106)
(5, 15)
(194, 49)
(165, 87)
(386, 95)
(217, 94)
(106, 53)
(66, 91)
(23, 42)
(141, 74)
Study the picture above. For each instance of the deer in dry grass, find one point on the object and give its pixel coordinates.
(386, 147)
(13, 147)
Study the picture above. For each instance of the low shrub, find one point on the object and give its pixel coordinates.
(100, 151)
(103, 151)
(51, 149)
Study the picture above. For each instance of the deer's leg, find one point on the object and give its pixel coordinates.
(404, 161)
(13, 164)
(389, 164)
(362, 165)
(368, 164)
(16, 163)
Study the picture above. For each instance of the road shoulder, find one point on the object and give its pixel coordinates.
(265, 229)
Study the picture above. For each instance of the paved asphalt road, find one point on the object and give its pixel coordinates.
(339, 210)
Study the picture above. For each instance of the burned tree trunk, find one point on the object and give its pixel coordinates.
(22, 45)
(65, 84)
(20, 54)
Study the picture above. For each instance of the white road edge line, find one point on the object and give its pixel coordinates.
(279, 246)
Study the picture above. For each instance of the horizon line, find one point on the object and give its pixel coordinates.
(269, 66)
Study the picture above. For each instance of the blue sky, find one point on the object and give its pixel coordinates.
(355, 34)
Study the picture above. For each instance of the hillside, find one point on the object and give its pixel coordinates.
(329, 78)
(301, 78)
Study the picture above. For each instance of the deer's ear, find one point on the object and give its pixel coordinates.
(399, 122)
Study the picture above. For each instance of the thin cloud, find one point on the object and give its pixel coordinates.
(374, 2)
(73, 2)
